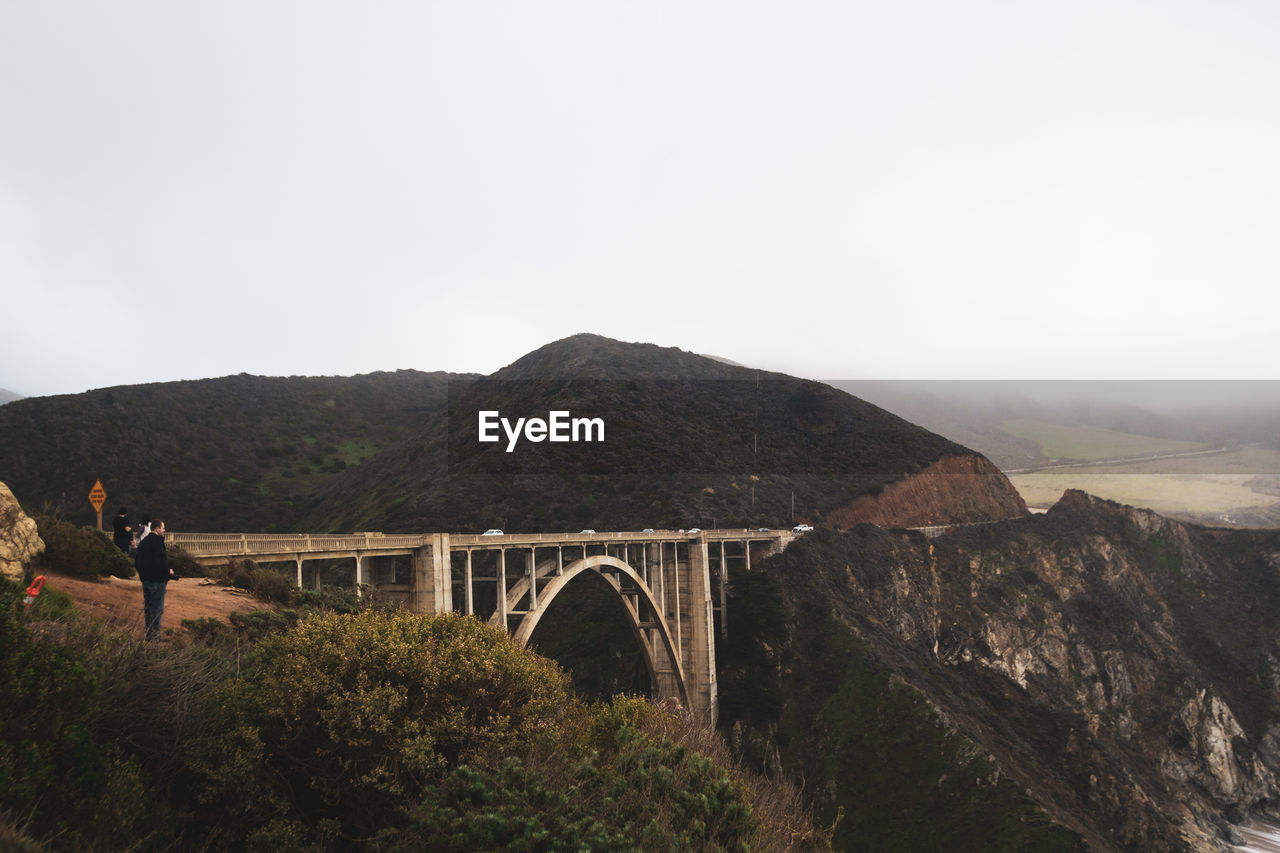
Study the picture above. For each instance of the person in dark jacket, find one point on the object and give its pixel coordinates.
(120, 530)
(153, 569)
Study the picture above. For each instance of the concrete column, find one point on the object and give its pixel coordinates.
(700, 667)
(662, 579)
(559, 560)
(532, 568)
(359, 575)
(431, 589)
(724, 593)
(675, 576)
(747, 553)
(299, 559)
(466, 579)
(502, 588)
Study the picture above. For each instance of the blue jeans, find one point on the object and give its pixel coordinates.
(153, 606)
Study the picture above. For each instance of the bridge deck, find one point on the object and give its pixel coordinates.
(210, 545)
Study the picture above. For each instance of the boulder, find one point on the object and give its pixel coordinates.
(20, 541)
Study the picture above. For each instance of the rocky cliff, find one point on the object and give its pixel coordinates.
(20, 541)
(1120, 669)
(952, 490)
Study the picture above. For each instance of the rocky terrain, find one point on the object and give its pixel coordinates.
(1120, 668)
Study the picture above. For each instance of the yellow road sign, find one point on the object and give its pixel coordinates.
(97, 495)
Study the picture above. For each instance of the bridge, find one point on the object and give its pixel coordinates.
(673, 583)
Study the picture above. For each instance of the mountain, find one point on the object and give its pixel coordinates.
(1116, 666)
(236, 453)
(688, 441)
(7, 396)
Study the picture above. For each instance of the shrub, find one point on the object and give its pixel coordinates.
(55, 772)
(81, 552)
(643, 792)
(52, 605)
(270, 585)
(351, 716)
(182, 563)
(237, 573)
(267, 584)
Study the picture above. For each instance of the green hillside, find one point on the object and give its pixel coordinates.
(690, 442)
(236, 453)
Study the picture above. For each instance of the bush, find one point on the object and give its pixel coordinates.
(350, 717)
(266, 584)
(272, 586)
(56, 772)
(182, 563)
(80, 552)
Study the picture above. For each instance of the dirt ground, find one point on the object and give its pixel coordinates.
(119, 601)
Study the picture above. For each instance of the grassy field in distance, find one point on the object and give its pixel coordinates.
(1239, 460)
(1061, 441)
(1182, 494)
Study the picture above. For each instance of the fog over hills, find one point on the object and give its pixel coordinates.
(7, 396)
(977, 413)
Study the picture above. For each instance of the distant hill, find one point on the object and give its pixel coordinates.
(1200, 451)
(691, 441)
(236, 453)
(1009, 422)
(7, 396)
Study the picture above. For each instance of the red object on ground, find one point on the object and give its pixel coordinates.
(33, 590)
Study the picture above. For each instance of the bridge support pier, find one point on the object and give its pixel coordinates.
(432, 582)
(699, 647)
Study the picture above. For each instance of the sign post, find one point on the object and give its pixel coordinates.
(97, 497)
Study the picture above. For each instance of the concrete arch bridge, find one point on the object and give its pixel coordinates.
(673, 584)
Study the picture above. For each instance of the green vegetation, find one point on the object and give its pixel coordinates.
(236, 453)
(367, 730)
(1062, 441)
(77, 551)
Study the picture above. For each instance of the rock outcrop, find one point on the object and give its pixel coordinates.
(20, 541)
(1122, 668)
(952, 490)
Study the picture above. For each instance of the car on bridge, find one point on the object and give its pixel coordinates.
(802, 528)
(493, 531)
(695, 529)
(588, 530)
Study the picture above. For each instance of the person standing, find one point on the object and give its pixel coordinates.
(120, 530)
(153, 569)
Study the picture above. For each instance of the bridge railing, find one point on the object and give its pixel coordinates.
(573, 538)
(248, 544)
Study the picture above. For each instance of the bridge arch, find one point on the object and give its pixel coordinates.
(644, 615)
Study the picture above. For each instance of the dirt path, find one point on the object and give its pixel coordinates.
(119, 602)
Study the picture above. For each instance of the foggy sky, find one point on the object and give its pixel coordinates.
(923, 190)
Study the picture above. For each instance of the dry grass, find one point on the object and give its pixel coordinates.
(1164, 493)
